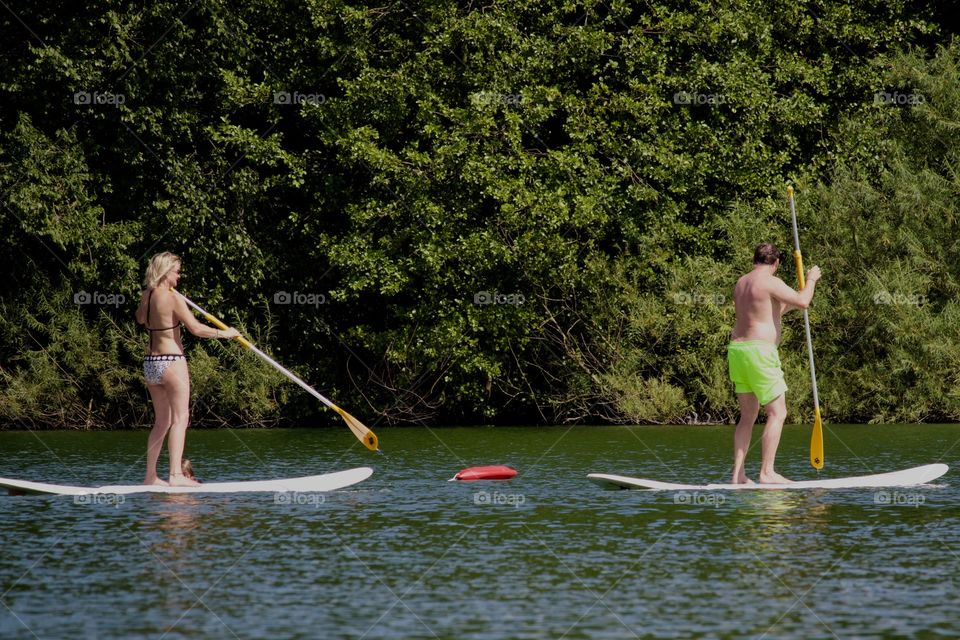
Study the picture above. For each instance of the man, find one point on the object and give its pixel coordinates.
(761, 299)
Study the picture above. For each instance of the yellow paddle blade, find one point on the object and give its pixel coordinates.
(816, 441)
(364, 435)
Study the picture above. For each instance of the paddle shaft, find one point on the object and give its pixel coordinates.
(246, 343)
(816, 438)
(360, 431)
(798, 258)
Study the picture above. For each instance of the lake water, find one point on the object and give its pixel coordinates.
(407, 554)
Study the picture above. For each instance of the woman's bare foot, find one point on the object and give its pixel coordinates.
(743, 479)
(155, 480)
(180, 480)
(773, 478)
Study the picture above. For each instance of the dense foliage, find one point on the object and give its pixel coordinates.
(527, 211)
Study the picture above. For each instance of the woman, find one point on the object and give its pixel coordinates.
(162, 311)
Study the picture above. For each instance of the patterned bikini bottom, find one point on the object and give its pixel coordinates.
(154, 366)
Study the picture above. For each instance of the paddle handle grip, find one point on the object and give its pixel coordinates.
(798, 260)
(797, 256)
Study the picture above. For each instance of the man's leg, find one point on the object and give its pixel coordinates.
(749, 408)
(776, 411)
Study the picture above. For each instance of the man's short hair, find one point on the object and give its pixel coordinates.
(766, 253)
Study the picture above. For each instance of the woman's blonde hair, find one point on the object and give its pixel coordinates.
(160, 265)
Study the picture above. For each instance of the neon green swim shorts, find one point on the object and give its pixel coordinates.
(754, 367)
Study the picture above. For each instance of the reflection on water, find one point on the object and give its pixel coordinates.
(407, 554)
(169, 532)
(178, 514)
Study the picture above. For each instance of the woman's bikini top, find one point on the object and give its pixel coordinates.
(147, 324)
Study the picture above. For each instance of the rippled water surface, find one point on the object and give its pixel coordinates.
(407, 554)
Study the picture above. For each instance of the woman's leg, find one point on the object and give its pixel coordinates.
(176, 380)
(161, 424)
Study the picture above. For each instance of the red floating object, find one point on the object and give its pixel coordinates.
(492, 472)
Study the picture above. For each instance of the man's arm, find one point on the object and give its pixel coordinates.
(789, 298)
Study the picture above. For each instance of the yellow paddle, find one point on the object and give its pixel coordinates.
(364, 435)
(816, 440)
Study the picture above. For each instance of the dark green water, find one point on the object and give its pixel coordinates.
(407, 554)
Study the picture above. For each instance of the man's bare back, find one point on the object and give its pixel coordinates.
(761, 299)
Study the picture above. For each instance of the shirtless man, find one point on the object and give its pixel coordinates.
(761, 299)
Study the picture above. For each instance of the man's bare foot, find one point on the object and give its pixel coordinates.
(180, 480)
(155, 480)
(743, 479)
(773, 478)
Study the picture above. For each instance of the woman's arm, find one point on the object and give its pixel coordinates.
(194, 326)
(142, 309)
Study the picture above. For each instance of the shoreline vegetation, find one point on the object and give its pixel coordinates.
(530, 214)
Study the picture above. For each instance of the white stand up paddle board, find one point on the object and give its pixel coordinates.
(906, 478)
(306, 484)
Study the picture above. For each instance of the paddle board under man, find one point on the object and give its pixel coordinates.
(761, 299)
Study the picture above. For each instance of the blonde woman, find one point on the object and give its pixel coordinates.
(163, 312)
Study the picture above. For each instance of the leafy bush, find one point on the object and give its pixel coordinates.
(498, 207)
